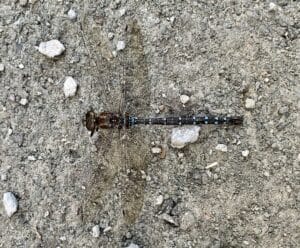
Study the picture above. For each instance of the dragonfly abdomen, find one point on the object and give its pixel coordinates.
(186, 120)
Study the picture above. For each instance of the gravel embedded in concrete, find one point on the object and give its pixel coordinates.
(221, 147)
(10, 203)
(51, 48)
(70, 87)
(250, 103)
(181, 136)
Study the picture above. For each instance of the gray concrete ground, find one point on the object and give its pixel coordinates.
(109, 190)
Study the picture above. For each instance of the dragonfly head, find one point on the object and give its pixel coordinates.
(90, 121)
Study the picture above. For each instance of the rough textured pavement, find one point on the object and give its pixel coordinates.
(110, 190)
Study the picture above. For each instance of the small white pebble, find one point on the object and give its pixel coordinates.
(122, 12)
(114, 53)
(172, 19)
(23, 101)
(3, 176)
(51, 48)
(72, 14)
(31, 158)
(70, 87)
(10, 203)
(266, 80)
(159, 200)
(21, 66)
(9, 132)
(107, 229)
(63, 238)
(184, 99)
(181, 136)
(180, 155)
(120, 45)
(163, 95)
(245, 153)
(156, 150)
(2, 67)
(272, 6)
(132, 245)
(266, 174)
(110, 35)
(245, 242)
(221, 147)
(161, 107)
(250, 103)
(96, 231)
(211, 165)
(23, 3)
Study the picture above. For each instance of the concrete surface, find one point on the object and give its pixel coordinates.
(219, 53)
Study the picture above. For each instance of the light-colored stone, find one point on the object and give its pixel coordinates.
(3, 176)
(245, 153)
(110, 35)
(180, 155)
(31, 158)
(23, 3)
(2, 67)
(156, 150)
(181, 136)
(72, 14)
(23, 101)
(51, 48)
(273, 6)
(211, 165)
(70, 87)
(21, 66)
(250, 103)
(10, 203)
(120, 45)
(107, 229)
(122, 12)
(184, 99)
(221, 147)
(159, 200)
(96, 231)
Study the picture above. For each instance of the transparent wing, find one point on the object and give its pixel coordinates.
(103, 94)
(116, 182)
(137, 98)
(137, 85)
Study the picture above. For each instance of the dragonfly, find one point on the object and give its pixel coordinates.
(117, 182)
(127, 159)
(107, 120)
